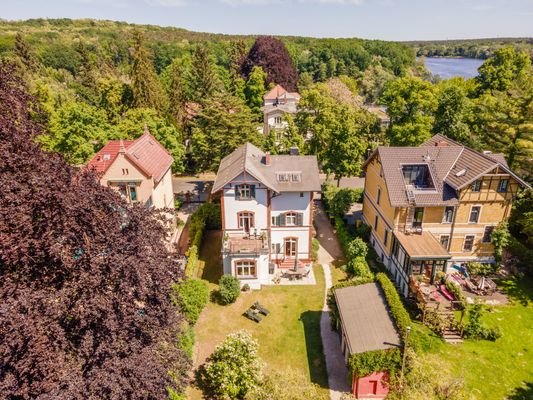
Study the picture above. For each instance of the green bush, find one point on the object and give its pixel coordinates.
(475, 329)
(191, 296)
(522, 253)
(315, 245)
(229, 289)
(359, 268)
(342, 234)
(363, 231)
(187, 339)
(398, 311)
(371, 361)
(457, 292)
(234, 368)
(206, 217)
(356, 248)
(192, 259)
(338, 201)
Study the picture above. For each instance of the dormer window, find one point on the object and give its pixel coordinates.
(295, 177)
(418, 176)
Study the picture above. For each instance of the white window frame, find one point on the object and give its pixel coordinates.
(465, 250)
(290, 218)
(506, 185)
(476, 185)
(245, 188)
(246, 265)
(478, 214)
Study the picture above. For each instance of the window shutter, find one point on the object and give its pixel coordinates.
(299, 219)
(252, 191)
(281, 219)
(278, 248)
(237, 192)
(252, 220)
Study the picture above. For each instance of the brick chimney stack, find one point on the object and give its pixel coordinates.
(267, 158)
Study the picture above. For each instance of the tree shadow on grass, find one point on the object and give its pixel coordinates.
(524, 392)
(313, 343)
(519, 289)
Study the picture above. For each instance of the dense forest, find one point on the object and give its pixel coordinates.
(471, 48)
(200, 94)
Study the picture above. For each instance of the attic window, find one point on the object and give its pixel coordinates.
(136, 156)
(151, 142)
(295, 177)
(107, 157)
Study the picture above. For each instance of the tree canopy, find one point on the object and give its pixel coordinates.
(85, 278)
(272, 56)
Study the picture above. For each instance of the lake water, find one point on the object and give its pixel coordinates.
(450, 67)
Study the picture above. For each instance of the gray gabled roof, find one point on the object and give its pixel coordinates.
(250, 159)
(452, 166)
(365, 318)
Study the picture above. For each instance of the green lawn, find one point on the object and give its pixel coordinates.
(501, 369)
(289, 338)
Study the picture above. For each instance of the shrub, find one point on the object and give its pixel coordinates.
(187, 339)
(357, 248)
(229, 289)
(342, 234)
(457, 292)
(501, 239)
(398, 311)
(192, 259)
(338, 201)
(474, 329)
(476, 268)
(234, 367)
(276, 384)
(363, 231)
(315, 245)
(359, 268)
(191, 296)
(371, 361)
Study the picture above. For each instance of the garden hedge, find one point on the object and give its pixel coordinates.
(398, 311)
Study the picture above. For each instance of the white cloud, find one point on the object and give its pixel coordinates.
(166, 3)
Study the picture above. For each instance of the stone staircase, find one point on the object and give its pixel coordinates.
(451, 334)
(290, 263)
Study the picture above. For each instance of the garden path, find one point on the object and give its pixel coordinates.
(329, 251)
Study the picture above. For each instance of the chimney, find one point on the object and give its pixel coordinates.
(267, 158)
(293, 151)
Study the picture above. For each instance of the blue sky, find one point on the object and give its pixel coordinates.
(374, 19)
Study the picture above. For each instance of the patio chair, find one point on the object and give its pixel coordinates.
(250, 314)
(260, 308)
(306, 273)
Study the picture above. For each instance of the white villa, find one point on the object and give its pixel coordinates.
(276, 104)
(267, 213)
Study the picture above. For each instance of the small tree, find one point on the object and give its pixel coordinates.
(234, 368)
(229, 290)
(357, 248)
(191, 296)
(500, 238)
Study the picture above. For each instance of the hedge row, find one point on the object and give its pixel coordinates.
(398, 311)
(206, 217)
(377, 360)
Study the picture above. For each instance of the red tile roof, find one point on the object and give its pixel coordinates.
(275, 93)
(145, 152)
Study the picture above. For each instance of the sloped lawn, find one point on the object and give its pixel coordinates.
(501, 369)
(289, 338)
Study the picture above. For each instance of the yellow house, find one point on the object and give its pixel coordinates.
(435, 205)
(140, 170)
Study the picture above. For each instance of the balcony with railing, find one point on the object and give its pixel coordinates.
(246, 243)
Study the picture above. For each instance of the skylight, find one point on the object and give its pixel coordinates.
(418, 176)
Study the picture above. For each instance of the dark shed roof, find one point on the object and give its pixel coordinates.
(365, 318)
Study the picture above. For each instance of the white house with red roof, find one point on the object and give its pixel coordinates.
(138, 169)
(276, 104)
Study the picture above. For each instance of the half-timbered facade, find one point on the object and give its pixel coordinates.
(435, 205)
(267, 212)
